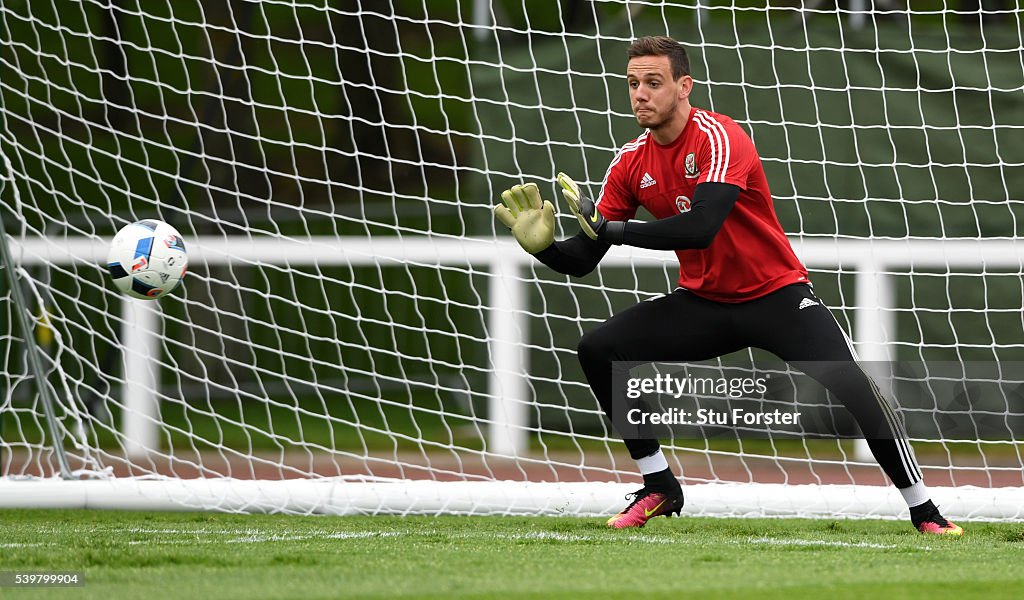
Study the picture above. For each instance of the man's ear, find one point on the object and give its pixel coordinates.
(685, 84)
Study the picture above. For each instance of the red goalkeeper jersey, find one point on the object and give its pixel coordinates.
(750, 256)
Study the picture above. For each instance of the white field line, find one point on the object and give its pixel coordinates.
(258, 536)
(573, 537)
(250, 536)
(799, 542)
(254, 536)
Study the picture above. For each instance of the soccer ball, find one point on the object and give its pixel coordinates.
(147, 259)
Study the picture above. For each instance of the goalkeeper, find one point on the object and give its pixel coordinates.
(740, 283)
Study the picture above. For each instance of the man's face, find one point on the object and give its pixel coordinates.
(653, 94)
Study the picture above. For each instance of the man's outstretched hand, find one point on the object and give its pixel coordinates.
(531, 218)
(592, 222)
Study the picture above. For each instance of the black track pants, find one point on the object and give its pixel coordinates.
(682, 327)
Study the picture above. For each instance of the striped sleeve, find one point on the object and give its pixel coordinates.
(616, 202)
(728, 152)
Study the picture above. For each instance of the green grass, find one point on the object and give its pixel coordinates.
(172, 555)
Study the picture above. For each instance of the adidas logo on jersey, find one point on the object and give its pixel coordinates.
(807, 302)
(647, 181)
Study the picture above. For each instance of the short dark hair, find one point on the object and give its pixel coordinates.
(662, 45)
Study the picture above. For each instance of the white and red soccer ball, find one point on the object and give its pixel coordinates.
(147, 259)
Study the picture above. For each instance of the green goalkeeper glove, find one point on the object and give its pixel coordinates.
(531, 219)
(592, 222)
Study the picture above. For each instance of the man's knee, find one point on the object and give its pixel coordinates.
(596, 346)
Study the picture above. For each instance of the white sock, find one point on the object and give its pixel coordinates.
(916, 494)
(653, 463)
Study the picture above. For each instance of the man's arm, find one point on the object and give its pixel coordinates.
(696, 228)
(532, 222)
(576, 256)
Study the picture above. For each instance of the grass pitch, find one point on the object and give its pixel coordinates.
(192, 555)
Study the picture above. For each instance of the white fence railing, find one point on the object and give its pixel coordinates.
(872, 262)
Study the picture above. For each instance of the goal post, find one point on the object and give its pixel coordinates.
(507, 422)
(19, 305)
(357, 336)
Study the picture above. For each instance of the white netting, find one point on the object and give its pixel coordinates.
(348, 313)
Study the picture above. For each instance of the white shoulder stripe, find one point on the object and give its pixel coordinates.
(720, 147)
(714, 142)
(718, 142)
(626, 148)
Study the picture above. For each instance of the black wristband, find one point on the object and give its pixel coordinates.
(613, 232)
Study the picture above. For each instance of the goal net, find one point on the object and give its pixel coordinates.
(356, 335)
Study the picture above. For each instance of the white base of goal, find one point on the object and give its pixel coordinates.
(398, 497)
